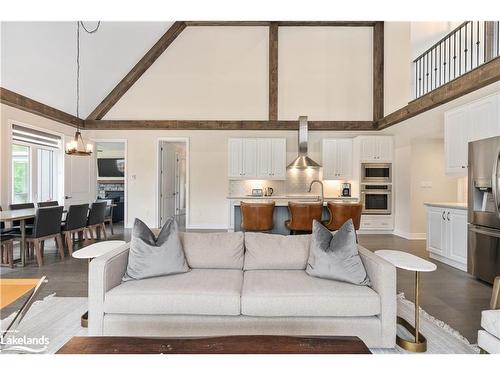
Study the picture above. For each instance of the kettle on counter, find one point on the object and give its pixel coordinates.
(268, 191)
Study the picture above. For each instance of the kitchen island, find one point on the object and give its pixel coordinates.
(281, 213)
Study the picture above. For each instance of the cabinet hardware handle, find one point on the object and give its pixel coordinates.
(448, 216)
(443, 216)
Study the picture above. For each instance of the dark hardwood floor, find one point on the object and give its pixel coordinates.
(448, 294)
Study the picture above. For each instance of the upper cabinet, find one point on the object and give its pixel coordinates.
(376, 149)
(456, 134)
(470, 122)
(257, 158)
(337, 159)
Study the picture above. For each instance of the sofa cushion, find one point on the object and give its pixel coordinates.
(197, 292)
(335, 256)
(276, 252)
(153, 256)
(490, 321)
(214, 250)
(295, 293)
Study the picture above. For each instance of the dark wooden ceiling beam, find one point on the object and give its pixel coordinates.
(273, 71)
(378, 71)
(138, 70)
(283, 23)
(24, 103)
(483, 75)
(224, 125)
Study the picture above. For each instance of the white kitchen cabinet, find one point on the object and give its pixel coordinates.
(235, 155)
(469, 122)
(447, 236)
(483, 118)
(376, 149)
(456, 135)
(278, 158)
(256, 158)
(337, 156)
(271, 158)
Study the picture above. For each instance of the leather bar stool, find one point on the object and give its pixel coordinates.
(302, 216)
(341, 212)
(257, 216)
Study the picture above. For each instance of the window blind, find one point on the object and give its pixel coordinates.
(35, 137)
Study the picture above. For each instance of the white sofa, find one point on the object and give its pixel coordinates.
(242, 284)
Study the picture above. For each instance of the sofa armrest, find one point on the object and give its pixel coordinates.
(383, 277)
(105, 273)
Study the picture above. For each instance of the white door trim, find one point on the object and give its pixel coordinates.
(125, 179)
(157, 176)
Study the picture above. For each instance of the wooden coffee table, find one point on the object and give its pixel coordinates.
(216, 345)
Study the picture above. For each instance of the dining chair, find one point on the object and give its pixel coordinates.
(6, 245)
(47, 204)
(16, 224)
(341, 212)
(96, 220)
(76, 222)
(108, 216)
(257, 216)
(302, 216)
(47, 225)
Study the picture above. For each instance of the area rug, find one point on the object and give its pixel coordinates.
(57, 319)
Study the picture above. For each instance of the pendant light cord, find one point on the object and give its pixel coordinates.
(78, 61)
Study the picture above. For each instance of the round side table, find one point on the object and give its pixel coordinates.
(410, 262)
(93, 251)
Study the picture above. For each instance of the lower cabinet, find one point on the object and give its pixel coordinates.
(376, 223)
(447, 236)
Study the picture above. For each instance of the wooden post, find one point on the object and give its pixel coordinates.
(273, 71)
(378, 70)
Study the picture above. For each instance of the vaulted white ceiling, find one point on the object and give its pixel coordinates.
(38, 59)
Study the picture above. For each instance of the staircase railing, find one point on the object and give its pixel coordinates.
(470, 45)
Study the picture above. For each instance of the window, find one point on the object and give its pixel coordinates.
(20, 174)
(46, 176)
(35, 156)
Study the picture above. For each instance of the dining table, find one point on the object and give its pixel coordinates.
(21, 216)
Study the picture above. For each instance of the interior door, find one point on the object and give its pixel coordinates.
(168, 181)
(80, 178)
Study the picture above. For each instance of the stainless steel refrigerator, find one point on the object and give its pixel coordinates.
(483, 258)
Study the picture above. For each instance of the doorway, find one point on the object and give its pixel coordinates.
(111, 182)
(173, 179)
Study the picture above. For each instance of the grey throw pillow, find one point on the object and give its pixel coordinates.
(151, 256)
(335, 255)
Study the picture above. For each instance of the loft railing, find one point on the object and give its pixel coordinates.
(470, 45)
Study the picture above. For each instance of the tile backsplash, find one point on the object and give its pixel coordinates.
(297, 182)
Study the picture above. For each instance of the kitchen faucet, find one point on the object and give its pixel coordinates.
(322, 191)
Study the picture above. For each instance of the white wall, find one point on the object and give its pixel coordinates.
(397, 67)
(325, 73)
(39, 59)
(218, 73)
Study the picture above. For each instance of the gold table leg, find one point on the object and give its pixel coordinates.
(419, 345)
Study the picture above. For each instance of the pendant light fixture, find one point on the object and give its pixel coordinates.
(77, 146)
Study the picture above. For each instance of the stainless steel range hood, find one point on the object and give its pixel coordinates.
(303, 161)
